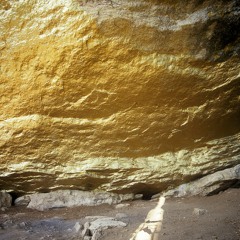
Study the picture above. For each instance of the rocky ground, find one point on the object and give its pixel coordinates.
(214, 217)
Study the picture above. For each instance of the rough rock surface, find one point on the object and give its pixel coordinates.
(209, 185)
(5, 199)
(105, 223)
(70, 198)
(117, 95)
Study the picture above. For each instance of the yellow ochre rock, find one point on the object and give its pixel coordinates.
(123, 96)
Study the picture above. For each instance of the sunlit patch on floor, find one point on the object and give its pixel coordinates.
(150, 229)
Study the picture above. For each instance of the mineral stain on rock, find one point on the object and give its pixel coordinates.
(120, 96)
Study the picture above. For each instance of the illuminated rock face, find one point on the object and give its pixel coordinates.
(124, 96)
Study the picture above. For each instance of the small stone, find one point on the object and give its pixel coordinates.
(121, 215)
(122, 205)
(77, 227)
(199, 211)
(138, 196)
(3, 209)
(22, 224)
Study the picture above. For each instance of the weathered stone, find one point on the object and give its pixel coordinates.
(22, 201)
(199, 211)
(97, 235)
(22, 225)
(138, 196)
(100, 223)
(70, 198)
(77, 227)
(86, 232)
(124, 96)
(105, 223)
(86, 225)
(5, 199)
(121, 215)
(122, 205)
(211, 184)
(87, 238)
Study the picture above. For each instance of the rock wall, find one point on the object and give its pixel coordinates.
(123, 96)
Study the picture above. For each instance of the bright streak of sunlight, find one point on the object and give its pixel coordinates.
(150, 229)
(143, 236)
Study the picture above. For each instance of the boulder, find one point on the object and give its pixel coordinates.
(208, 185)
(22, 201)
(5, 199)
(70, 198)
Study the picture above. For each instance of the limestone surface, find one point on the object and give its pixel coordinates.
(70, 198)
(105, 223)
(5, 199)
(124, 96)
(208, 185)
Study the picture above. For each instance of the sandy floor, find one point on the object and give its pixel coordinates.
(219, 220)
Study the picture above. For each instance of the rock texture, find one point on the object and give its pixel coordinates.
(70, 198)
(5, 199)
(124, 96)
(208, 185)
(105, 223)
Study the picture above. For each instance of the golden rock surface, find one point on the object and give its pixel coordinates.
(123, 96)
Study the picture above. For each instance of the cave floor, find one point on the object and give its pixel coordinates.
(209, 218)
